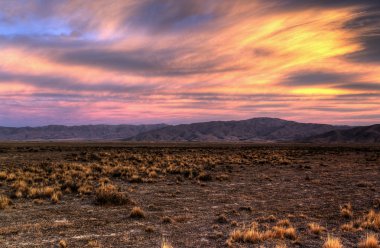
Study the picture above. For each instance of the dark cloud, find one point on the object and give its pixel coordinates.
(336, 109)
(48, 42)
(69, 84)
(234, 97)
(304, 4)
(361, 86)
(145, 62)
(370, 52)
(368, 24)
(312, 78)
(173, 15)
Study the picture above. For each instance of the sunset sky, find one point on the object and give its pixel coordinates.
(182, 61)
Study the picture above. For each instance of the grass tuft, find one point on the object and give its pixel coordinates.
(371, 241)
(332, 242)
(315, 228)
(109, 194)
(4, 201)
(137, 213)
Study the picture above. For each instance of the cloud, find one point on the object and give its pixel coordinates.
(367, 23)
(370, 52)
(362, 86)
(173, 15)
(312, 78)
(179, 60)
(162, 62)
(69, 84)
(326, 4)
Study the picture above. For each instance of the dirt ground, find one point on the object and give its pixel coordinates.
(197, 195)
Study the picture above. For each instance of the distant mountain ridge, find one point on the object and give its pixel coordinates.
(365, 134)
(256, 129)
(84, 132)
(262, 129)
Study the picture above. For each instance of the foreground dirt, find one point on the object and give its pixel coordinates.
(197, 195)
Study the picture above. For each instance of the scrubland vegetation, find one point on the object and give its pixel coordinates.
(188, 195)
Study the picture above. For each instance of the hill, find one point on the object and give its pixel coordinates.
(256, 129)
(365, 134)
(85, 132)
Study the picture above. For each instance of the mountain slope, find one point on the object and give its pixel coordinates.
(265, 129)
(85, 132)
(366, 134)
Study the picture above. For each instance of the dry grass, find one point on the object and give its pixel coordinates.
(3, 175)
(348, 227)
(49, 180)
(62, 244)
(93, 244)
(346, 211)
(280, 246)
(4, 201)
(166, 244)
(40, 192)
(284, 222)
(85, 189)
(137, 213)
(56, 197)
(315, 228)
(332, 242)
(251, 235)
(283, 230)
(372, 220)
(109, 194)
(370, 241)
(149, 229)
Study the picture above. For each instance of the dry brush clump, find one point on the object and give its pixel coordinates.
(346, 210)
(79, 173)
(371, 221)
(332, 242)
(370, 241)
(4, 201)
(315, 228)
(137, 213)
(166, 244)
(62, 244)
(109, 194)
(93, 244)
(282, 230)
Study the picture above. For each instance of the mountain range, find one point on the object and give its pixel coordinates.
(255, 130)
(84, 132)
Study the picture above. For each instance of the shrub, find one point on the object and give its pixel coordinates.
(93, 244)
(62, 244)
(165, 244)
(346, 211)
(315, 228)
(3, 175)
(137, 213)
(370, 241)
(372, 220)
(332, 242)
(56, 196)
(109, 194)
(4, 201)
(203, 176)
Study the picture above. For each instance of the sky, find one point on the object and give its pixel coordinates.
(182, 61)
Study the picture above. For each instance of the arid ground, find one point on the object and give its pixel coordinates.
(73, 194)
